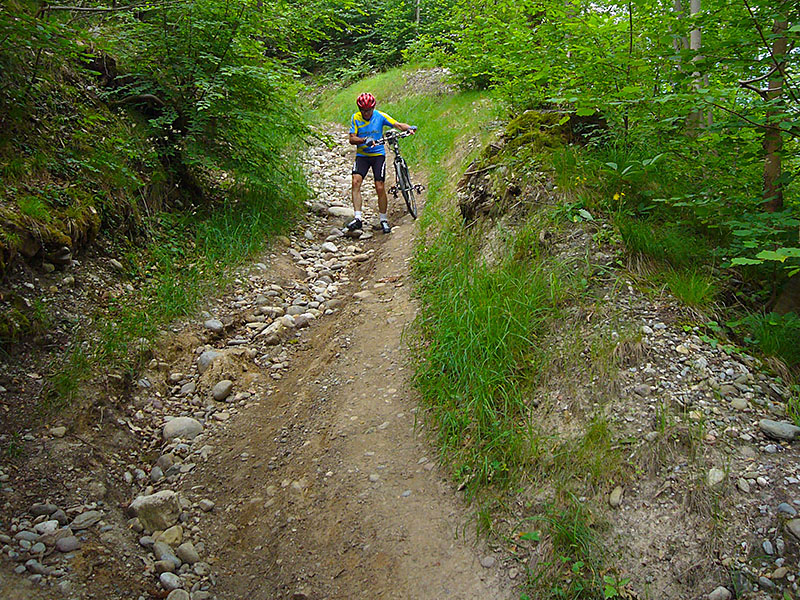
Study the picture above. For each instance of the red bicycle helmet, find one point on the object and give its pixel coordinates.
(366, 101)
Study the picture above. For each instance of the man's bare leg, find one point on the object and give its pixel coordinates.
(356, 192)
(383, 201)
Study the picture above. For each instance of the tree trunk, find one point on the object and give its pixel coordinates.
(696, 118)
(773, 139)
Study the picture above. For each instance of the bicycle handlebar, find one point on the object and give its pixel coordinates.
(393, 134)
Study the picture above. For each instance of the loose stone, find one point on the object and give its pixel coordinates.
(779, 430)
(214, 325)
(68, 544)
(222, 390)
(158, 511)
(170, 581)
(185, 428)
(720, 593)
(85, 520)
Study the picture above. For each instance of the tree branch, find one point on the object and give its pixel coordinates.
(763, 93)
(89, 9)
(761, 78)
(150, 98)
(768, 46)
(741, 116)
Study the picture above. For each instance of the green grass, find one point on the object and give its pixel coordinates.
(773, 334)
(35, 208)
(673, 245)
(692, 288)
(482, 326)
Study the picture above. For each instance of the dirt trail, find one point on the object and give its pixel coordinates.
(326, 489)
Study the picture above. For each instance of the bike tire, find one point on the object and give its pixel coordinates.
(407, 189)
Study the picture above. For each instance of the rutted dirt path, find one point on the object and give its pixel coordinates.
(325, 488)
(270, 449)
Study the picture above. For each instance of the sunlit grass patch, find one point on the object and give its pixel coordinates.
(692, 288)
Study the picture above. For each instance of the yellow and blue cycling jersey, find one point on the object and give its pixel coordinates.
(371, 129)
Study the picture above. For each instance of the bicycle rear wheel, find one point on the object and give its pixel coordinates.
(404, 181)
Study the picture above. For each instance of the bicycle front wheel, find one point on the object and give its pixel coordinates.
(404, 181)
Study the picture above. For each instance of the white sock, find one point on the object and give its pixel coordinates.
(358, 215)
(382, 217)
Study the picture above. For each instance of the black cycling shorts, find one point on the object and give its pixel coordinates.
(378, 164)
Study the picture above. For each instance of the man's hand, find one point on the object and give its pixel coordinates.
(412, 129)
(369, 142)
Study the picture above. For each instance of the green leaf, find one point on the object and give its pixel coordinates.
(530, 536)
(585, 112)
(746, 261)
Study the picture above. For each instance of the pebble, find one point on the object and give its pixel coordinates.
(487, 562)
(179, 595)
(715, 477)
(39, 510)
(187, 553)
(206, 505)
(58, 432)
(787, 509)
(794, 527)
(615, 498)
(205, 360)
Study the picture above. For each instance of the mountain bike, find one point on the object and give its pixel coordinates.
(403, 183)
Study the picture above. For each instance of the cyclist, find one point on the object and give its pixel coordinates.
(366, 126)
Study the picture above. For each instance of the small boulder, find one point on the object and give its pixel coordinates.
(185, 428)
(720, 593)
(158, 511)
(187, 553)
(205, 360)
(170, 581)
(214, 325)
(222, 390)
(779, 430)
(68, 544)
(85, 520)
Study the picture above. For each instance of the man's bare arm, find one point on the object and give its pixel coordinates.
(355, 140)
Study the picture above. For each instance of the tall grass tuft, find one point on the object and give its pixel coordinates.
(482, 326)
(692, 287)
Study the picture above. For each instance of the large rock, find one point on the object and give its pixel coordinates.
(779, 430)
(185, 428)
(205, 360)
(158, 511)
